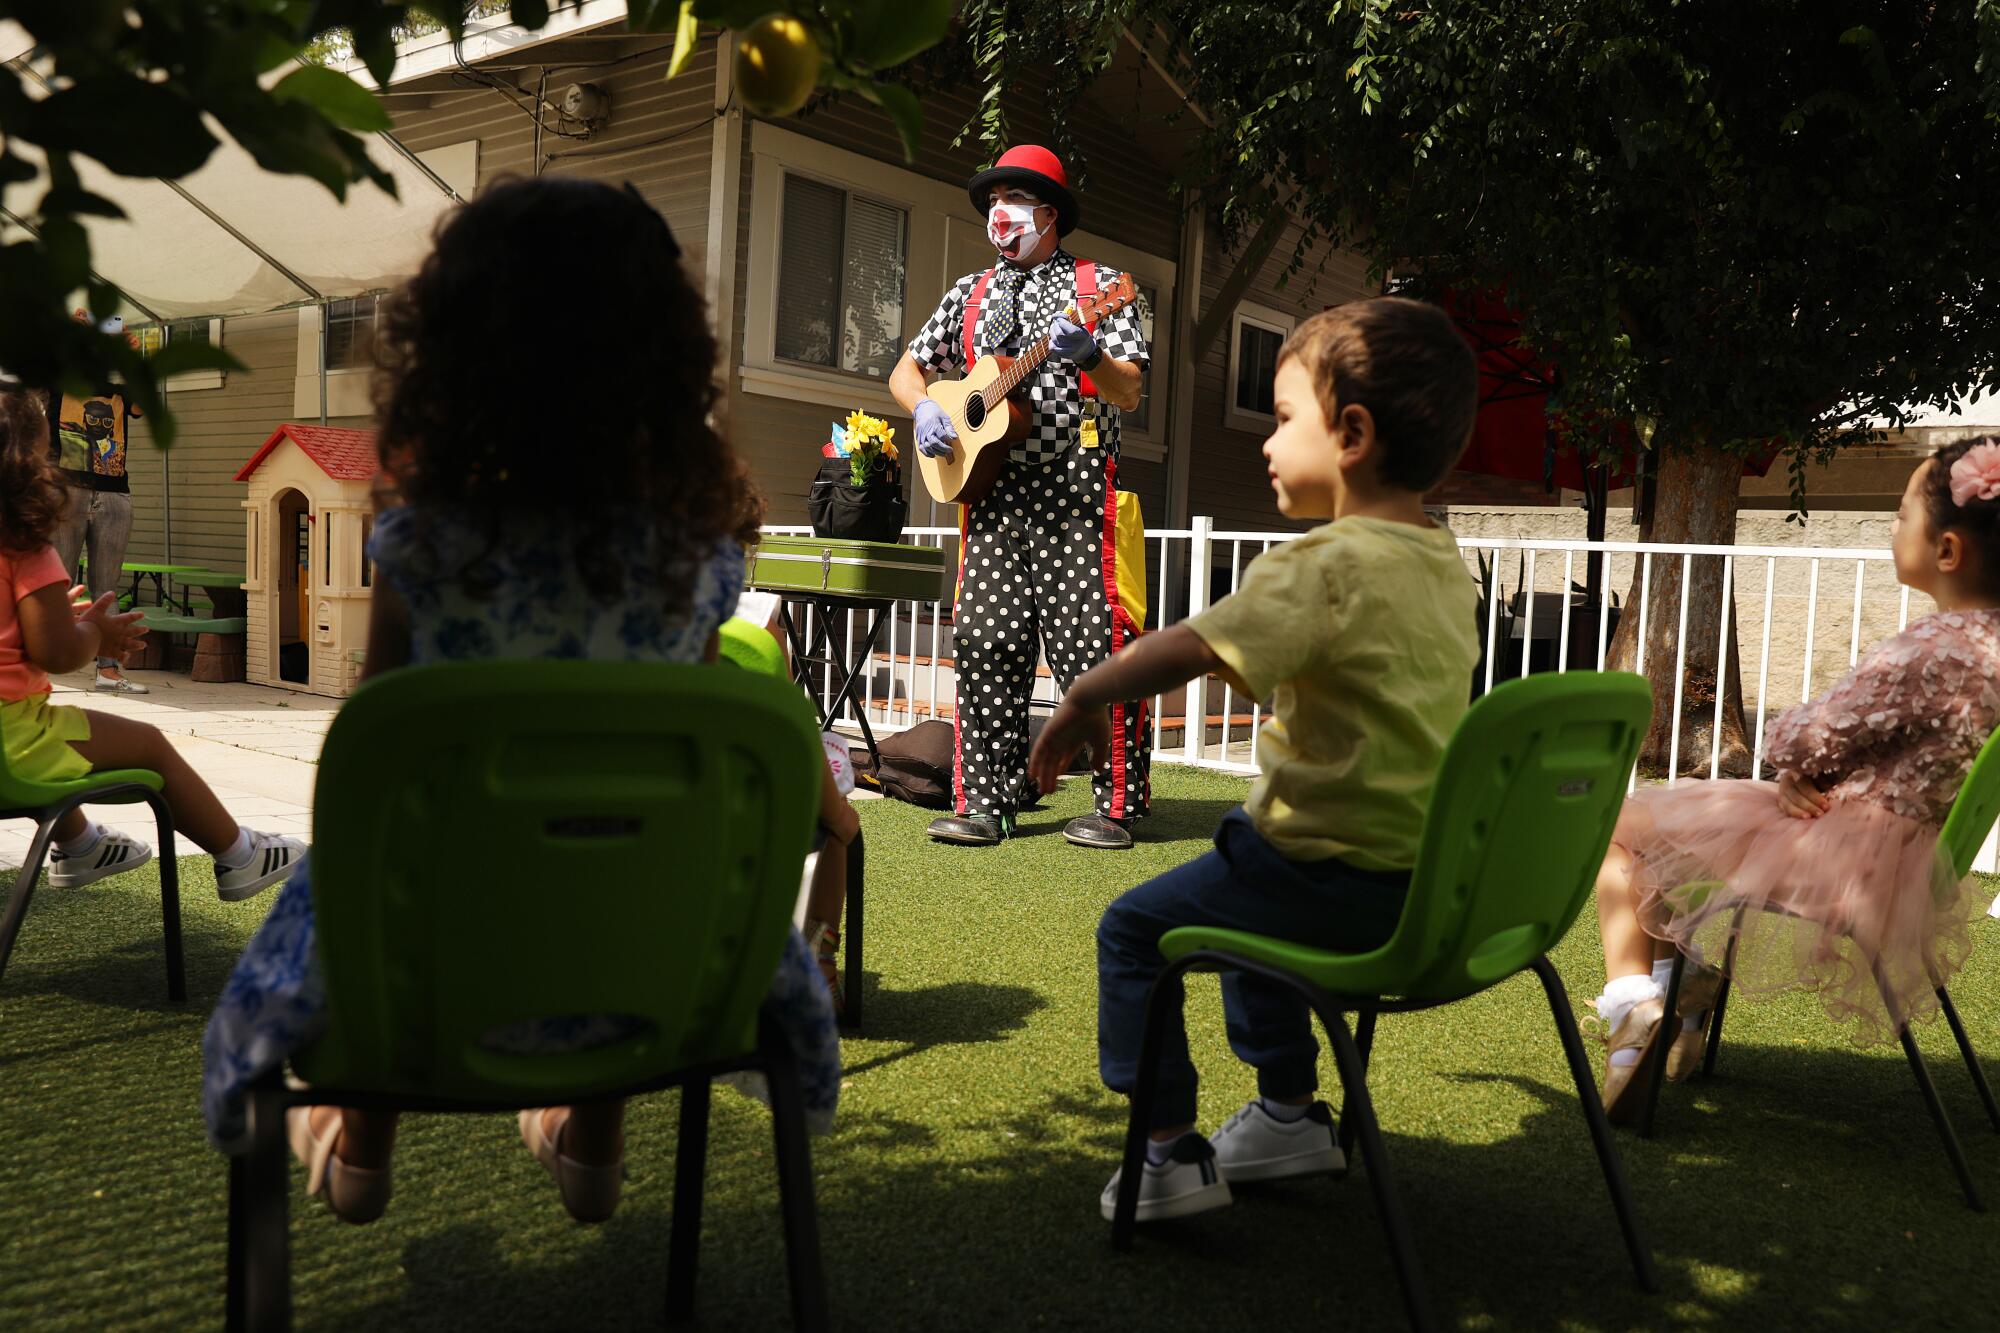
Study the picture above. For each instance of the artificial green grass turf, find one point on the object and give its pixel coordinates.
(1803, 1188)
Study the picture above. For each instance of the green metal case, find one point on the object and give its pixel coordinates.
(839, 567)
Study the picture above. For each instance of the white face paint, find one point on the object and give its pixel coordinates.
(1011, 228)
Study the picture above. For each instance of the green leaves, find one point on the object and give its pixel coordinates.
(687, 35)
(335, 96)
(887, 32)
(133, 127)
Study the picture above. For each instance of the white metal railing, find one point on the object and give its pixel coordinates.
(1535, 619)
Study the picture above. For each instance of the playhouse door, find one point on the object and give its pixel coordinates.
(291, 561)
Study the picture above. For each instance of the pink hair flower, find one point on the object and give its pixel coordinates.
(1976, 476)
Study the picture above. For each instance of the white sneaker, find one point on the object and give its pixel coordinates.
(118, 685)
(271, 859)
(1185, 1184)
(112, 854)
(1253, 1144)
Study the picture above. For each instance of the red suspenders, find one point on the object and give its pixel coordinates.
(1086, 287)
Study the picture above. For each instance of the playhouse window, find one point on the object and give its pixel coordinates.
(840, 279)
(350, 333)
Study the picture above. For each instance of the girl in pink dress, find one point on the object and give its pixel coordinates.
(1832, 877)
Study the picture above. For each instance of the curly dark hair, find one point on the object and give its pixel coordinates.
(32, 493)
(1977, 521)
(551, 359)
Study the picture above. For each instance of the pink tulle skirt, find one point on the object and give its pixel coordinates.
(1860, 904)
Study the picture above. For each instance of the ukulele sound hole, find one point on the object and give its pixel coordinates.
(975, 412)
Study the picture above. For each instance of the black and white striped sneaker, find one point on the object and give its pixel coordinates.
(112, 854)
(1186, 1183)
(271, 859)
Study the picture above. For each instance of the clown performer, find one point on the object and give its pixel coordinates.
(1038, 568)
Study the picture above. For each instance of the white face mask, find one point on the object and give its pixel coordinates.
(1011, 228)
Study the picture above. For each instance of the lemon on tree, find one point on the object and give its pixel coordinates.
(777, 65)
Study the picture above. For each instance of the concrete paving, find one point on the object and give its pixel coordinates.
(257, 747)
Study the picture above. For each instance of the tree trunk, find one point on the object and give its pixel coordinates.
(1695, 504)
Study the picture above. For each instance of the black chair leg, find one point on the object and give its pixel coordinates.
(690, 1166)
(234, 1316)
(1600, 1128)
(170, 899)
(795, 1186)
(856, 983)
(1714, 1044)
(1360, 1108)
(1167, 989)
(24, 887)
(265, 1284)
(1364, 1041)
(1971, 1057)
(1655, 1072)
(1952, 1148)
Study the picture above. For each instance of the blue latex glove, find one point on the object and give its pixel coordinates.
(1071, 341)
(934, 430)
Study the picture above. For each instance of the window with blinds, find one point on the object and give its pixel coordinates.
(1140, 418)
(1256, 367)
(841, 279)
(350, 333)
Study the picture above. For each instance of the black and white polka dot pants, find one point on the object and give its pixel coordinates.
(1039, 578)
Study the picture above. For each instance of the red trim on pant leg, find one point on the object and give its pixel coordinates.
(1108, 558)
(958, 673)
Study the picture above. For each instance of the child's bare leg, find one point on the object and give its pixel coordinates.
(1628, 949)
(592, 1133)
(828, 895)
(119, 742)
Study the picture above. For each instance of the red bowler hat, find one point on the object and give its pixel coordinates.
(1036, 170)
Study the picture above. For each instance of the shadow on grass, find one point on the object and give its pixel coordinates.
(1514, 1233)
(953, 1014)
(123, 958)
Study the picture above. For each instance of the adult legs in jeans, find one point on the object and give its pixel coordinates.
(99, 522)
(1244, 884)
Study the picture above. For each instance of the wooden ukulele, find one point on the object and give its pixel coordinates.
(990, 411)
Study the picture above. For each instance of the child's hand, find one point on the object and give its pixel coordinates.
(1070, 728)
(1799, 798)
(79, 600)
(119, 632)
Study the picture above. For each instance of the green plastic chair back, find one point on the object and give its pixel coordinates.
(749, 645)
(1523, 810)
(19, 793)
(501, 842)
(1973, 813)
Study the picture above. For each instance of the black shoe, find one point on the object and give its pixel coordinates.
(969, 830)
(1098, 831)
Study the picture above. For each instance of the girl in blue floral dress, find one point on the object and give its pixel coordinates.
(555, 490)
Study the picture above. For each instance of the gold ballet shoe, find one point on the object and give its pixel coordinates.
(1699, 986)
(355, 1194)
(590, 1193)
(1623, 1092)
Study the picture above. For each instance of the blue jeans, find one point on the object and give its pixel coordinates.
(1244, 884)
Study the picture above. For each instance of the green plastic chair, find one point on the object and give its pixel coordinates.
(47, 802)
(746, 644)
(626, 839)
(1525, 802)
(1965, 829)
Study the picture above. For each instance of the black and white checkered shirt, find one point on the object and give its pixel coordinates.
(1054, 391)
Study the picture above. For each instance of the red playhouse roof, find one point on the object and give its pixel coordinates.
(344, 455)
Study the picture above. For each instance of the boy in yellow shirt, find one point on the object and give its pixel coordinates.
(1362, 633)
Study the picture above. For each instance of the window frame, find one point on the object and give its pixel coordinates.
(848, 194)
(191, 380)
(1270, 321)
